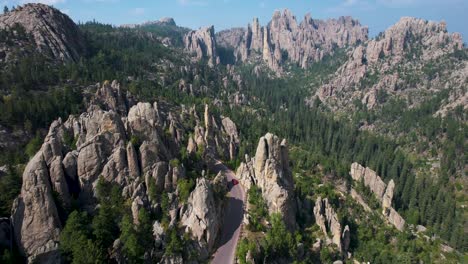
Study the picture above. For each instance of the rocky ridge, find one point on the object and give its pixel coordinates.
(399, 62)
(286, 39)
(383, 192)
(123, 143)
(270, 171)
(54, 34)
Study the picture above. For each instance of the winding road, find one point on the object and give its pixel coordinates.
(233, 216)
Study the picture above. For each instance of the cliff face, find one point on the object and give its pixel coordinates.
(410, 57)
(53, 33)
(286, 39)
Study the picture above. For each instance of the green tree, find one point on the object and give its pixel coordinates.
(34, 145)
(174, 243)
(5, 9)
(278, 240)
(75, 244)
(129, 238)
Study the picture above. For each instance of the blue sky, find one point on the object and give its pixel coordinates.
(377, 14)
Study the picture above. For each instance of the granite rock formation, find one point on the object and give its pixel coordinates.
(53, 33)
(270, 171)
(202, 43)
(132, 145)
(398, 63)
(286, 39)
(202, 215)
(382, 191)
(327, 220)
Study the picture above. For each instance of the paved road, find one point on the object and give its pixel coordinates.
(233, 215)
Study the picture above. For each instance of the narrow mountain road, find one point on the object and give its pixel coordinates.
(233, 216)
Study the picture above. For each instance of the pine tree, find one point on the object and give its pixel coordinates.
(5, 9)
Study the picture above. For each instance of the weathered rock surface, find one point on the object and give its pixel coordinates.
(270, 171)
(54, 33)
(285, 38)
(202, 215)
(35, 217)
(382, 191)
(327, 220)
(202, 43)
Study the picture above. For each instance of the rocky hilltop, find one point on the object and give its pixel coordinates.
(404, 61)
(135, 146)
(53, 33)
(285, 39)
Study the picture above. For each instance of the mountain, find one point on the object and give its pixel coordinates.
(301, 142)
(411, 60)
(284, 39)
(48, 30)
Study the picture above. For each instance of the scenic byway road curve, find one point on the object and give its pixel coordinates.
(233, 215)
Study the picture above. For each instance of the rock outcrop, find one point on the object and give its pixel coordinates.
(382, 191)
(395, 63)
(35, 218)
(54, 33)
(270, 171)
(138, 151)
(201, 217)
(285, 38)
(202, 43)
(327, 220)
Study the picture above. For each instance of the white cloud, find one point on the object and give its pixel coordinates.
(137, 11)
(262, 4)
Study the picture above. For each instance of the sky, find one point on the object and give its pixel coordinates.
(223, 14)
